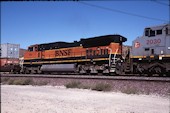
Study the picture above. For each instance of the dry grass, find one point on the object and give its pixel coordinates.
(40, 83)
(11, 81)
(130, 91)
(73, 84)
(97, 87)
(4, 80)
(102, 87)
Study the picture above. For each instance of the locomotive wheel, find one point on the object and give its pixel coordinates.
(120, 69)
(106, 74)
(168, 74)
(12, 71)
(120, 72)
(134, 69)
(149, 74)
(27, 71)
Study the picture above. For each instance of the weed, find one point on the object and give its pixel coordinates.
(102, 87)
(22, 82)
(85, 87)
(10, 81)
(4, 80)
(73, 84)
(130, 91)
(41, 83)
(28, 82)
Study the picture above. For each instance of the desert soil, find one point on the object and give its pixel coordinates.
(58, 99)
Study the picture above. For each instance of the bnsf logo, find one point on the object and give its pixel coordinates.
(63, 52)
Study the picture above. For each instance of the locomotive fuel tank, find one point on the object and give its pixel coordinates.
(58, 68)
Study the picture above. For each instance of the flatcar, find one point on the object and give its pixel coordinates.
(91, 55)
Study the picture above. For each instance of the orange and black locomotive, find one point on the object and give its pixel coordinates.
(91, 55)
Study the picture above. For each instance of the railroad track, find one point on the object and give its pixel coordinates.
(130, 78)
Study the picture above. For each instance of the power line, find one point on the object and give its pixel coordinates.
(123, 12)
(158, 2)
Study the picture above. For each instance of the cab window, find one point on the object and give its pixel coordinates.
(167, 31)
(158, 32)
(152, 33)
(147, 32)
(30, 48)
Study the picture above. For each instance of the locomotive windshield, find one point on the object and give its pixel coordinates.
(30, 48)
(159, 30)
(149, 32)
(168, 30)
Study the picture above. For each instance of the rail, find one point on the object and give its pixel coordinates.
(130, 78)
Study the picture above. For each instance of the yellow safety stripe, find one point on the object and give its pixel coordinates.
(53, 57)
(61, 61)
(71, 56)
(64, 56)
(61, 57)
(152, 56)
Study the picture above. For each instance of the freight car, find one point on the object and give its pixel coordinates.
(10, 65)
(150, 54)
(9, 57)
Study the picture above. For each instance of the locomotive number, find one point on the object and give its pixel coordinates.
(153, 41)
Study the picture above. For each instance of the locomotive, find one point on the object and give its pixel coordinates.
(92, 55)
(150, 54)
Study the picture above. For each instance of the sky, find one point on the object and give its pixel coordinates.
(29, 23)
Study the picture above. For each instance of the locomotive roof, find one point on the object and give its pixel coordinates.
(88, 42)
(102, 40)
(157, 27)
(57, 45)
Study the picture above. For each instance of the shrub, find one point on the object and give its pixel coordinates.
(17, 82)
(73, 84)
(102, 87)
(41, 83)
(85, 87)
(27, 82)
(4, 80)
(10, 81)
(130, 91)
(23, 82)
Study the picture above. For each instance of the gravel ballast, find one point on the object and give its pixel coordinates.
(125, 86)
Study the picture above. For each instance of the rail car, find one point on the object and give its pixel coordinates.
(150, 54)
(9, 65)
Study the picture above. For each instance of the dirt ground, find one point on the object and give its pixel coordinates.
(58, 99)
